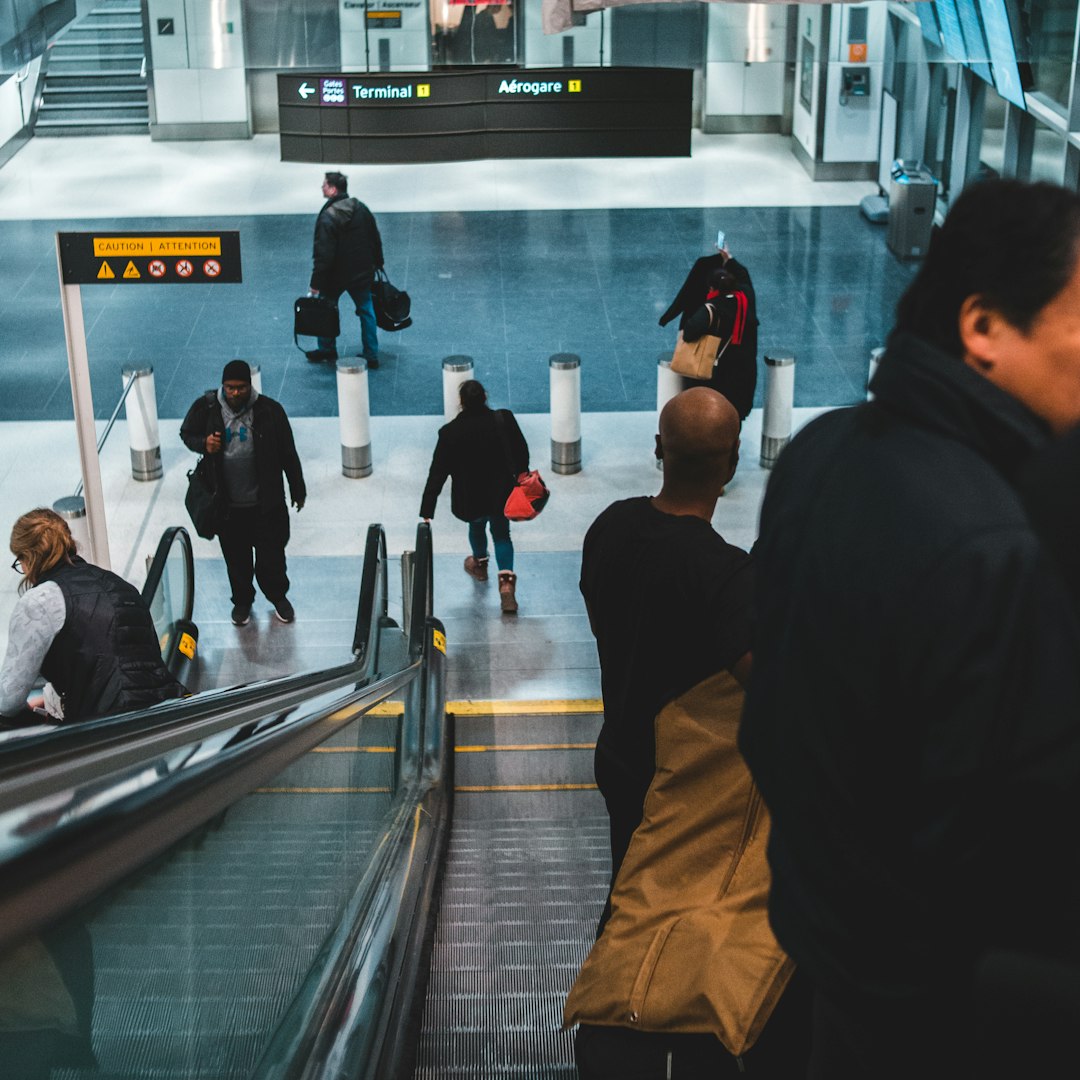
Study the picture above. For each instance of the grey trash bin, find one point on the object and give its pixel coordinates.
(912, 194)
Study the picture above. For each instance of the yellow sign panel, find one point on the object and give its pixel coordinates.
(150, 246)
(423, 89)
(187, 646)
(438, 639)
(131, 271)
(574, 86)
(106, 271)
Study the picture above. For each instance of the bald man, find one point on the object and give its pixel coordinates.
(685, 976)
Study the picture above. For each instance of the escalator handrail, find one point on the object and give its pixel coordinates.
(183, 719)
(173, 534)
(422, 589)
(75, 856)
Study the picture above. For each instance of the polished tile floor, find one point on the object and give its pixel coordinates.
(506, 261)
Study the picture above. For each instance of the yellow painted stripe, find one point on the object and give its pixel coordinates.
(525, 708)
(354, 750)
(525, 787)
(322, 791)
(525, 746)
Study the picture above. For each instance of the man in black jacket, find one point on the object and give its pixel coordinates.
(251, 442)
(914, 718)
(347, 252)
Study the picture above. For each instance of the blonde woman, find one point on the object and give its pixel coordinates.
(86, 630)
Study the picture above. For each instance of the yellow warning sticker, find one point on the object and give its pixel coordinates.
(150, 246)
(574, 86)
(438, 639)
(187, 646)
(131, 271)
(106, 271)
(423, 89)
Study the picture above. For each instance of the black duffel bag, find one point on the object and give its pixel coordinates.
(203, 498)
(315, 316)
(392, 306)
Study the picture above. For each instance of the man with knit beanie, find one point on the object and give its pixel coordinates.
(251, 443)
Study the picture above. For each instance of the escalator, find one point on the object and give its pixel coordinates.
(244, 884)
(235, 884)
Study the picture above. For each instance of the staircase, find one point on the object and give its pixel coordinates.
(95, 83)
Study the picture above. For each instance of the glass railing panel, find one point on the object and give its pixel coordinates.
(184, 971)
(170, 600)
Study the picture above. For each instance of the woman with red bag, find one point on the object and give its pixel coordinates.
(483, 452)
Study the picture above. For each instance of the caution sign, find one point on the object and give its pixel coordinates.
(150, 258)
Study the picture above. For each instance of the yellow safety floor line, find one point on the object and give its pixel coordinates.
(558, 707)
(524, 746)
(484, 788)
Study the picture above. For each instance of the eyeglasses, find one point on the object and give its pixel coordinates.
(17, 566)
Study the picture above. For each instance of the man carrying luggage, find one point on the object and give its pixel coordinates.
(347, 252)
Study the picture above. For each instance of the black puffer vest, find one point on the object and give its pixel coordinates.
(106, 659)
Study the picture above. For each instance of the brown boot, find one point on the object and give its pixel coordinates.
(476, 568)
(507, 599)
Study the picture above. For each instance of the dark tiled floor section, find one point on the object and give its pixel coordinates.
(507, 288)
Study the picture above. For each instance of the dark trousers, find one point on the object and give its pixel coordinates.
(253, 545)
(781, 1052)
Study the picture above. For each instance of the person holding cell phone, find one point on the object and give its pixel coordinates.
(723, 283)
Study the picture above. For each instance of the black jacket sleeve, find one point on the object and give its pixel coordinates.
(376, 242)
(324, 249)
(199, 423)
(290, 459)
(437, 475)
(685, 298)
(516, 444)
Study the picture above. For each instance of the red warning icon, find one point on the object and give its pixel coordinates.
(184, 268)
(211, 268)
(156, 268)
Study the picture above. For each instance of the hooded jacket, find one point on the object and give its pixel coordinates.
(914, 717)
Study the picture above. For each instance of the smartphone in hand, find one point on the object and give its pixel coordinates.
(720, 238)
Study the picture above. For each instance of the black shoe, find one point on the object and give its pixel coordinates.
(284, 611)
(241, 614)
(317, 356)
(372, 361)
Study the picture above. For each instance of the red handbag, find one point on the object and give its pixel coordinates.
(528, 498)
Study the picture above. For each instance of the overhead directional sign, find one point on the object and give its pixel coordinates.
(182, 257)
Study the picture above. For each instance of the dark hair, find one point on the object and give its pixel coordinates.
(1013, 244)
(723, 281)
(339, 181)
(473, 395)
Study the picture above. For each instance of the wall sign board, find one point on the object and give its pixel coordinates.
(181, 257)
(457, 116)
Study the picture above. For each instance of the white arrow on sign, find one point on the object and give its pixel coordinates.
(306, 91)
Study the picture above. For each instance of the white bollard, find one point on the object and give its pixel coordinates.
(668, 384)
(354, 411)
(455, 371)
(256, 377)
(72, 508)
(140, 408)
(779, 402)
(565, 377)
(875, 359)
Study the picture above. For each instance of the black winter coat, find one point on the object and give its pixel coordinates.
(275, 450)
(347, 249)
(483, 464)
(735, 375)
(914, 717)
(106, 658)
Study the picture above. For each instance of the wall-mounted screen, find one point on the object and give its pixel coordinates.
(928, 21)
(978, 56)
(1000, 44)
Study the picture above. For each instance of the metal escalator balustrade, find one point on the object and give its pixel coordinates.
(230, 892)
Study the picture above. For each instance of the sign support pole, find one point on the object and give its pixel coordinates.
(83, 403)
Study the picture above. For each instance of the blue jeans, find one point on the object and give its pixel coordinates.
(369, 334)
(500, 535)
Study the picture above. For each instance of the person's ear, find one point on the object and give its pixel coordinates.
(659, 451)
(982, 334)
